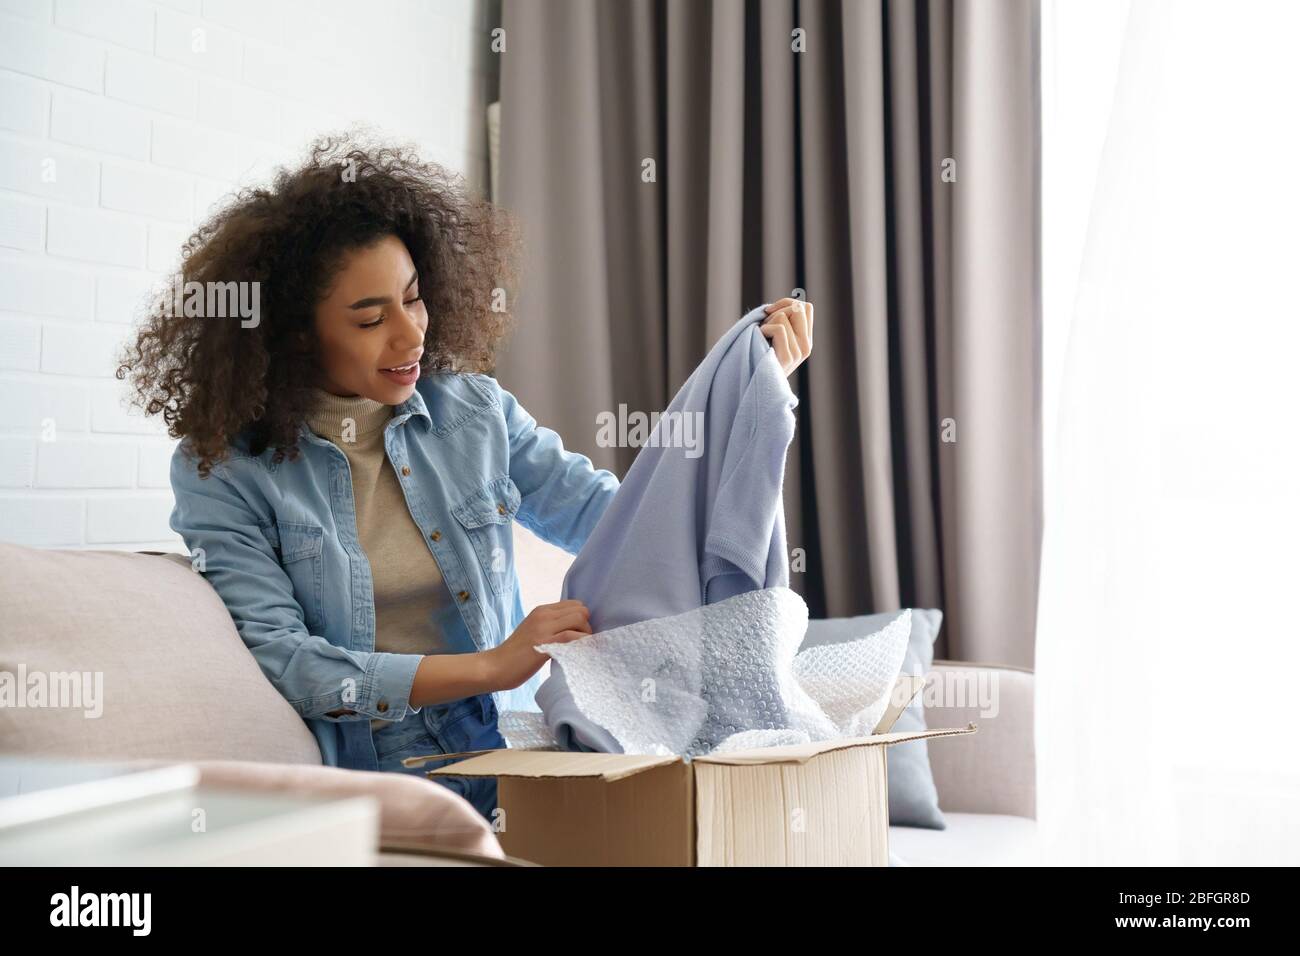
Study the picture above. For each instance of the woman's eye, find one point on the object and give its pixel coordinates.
(380, 319)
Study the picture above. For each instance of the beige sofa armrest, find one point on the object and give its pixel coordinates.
(992, 770)
(415, 814)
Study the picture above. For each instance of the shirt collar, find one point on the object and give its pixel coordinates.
(413, 406)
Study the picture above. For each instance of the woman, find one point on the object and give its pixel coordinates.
(348, 474)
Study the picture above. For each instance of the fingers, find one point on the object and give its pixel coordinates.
(572, 602)
(563, 617)
(789, 326)
(575, 620)
(798, 317)
(549, 612)
(781, 338)
(788, 303)
(802, 322)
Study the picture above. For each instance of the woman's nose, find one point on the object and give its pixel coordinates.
(410, 331)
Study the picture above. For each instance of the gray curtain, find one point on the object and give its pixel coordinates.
(891, 172)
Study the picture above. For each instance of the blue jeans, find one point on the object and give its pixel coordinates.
(468, 724)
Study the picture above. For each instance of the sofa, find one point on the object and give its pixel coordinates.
(985, 780)
(179, 685)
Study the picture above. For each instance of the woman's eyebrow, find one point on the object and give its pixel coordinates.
(380, 299)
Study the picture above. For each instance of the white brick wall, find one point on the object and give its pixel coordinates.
(121, 123)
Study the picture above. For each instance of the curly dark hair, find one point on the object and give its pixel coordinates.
(214, 380)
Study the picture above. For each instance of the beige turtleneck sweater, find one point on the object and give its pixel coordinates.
(410, 594)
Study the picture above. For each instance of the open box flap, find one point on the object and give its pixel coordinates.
(905, 688)
(553, 763)
(455, 755)
(802, 753)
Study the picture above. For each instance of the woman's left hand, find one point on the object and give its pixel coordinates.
(790, 327)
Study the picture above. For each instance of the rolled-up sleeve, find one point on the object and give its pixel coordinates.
(562, 494)
(228, 546)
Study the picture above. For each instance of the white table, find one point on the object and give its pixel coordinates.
(65, 813)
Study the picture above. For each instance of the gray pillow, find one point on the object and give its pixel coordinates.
(913, 799)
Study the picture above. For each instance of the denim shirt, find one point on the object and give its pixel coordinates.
(279, 544)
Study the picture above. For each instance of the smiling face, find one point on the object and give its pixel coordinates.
(372, 322)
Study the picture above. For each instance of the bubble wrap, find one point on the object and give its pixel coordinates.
(726, 676)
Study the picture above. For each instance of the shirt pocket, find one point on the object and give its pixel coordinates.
(488, 518)
(302, 556)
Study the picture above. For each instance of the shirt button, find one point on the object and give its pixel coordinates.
(501, 509)
(406, 469)
(464, 595)
(382, 706)
(436, 535)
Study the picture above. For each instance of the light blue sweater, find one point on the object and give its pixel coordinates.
(693, 522)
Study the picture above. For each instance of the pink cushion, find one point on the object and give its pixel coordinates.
(413, 811)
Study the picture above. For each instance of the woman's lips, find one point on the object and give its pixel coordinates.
(406, 377)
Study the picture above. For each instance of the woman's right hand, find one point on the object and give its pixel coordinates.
(516, 659)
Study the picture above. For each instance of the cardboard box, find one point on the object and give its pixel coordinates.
(818, 804)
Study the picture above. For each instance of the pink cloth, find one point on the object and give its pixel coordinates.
(412, 810)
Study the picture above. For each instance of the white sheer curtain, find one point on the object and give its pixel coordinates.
(1167, 641)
